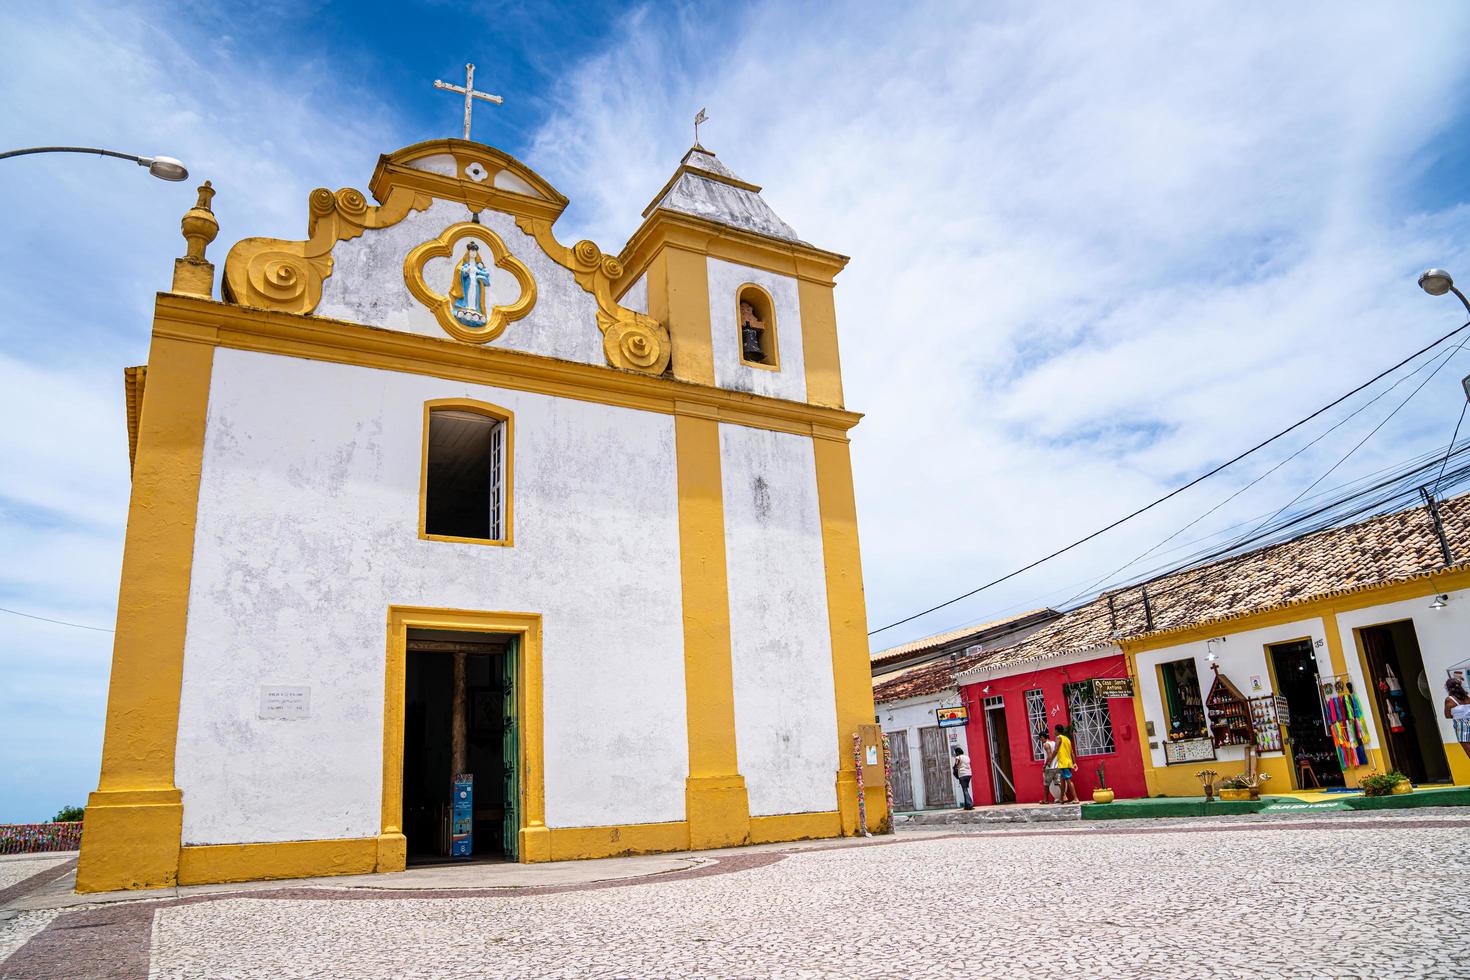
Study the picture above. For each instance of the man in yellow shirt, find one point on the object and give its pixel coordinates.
(1064, 763)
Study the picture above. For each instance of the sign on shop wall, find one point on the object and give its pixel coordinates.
(952, 717)
(1189, 750)
(280, 702)
(1112, 687)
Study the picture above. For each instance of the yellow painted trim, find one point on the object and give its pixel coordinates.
(819, 343)
(442, 306)
(392, 853)
(666, 229)
(717, 807)
(578, 843)
(795, 826)
(133, 821)
(678, 296)
(772, 338)
(393, 171)
(1140, 725)
(848, 623)
(208, 864)
(135, 381)
(489, 411)
(335, 341)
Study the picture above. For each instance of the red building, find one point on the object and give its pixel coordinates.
(1011, 702)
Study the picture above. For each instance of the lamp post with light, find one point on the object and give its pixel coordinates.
(164, 168)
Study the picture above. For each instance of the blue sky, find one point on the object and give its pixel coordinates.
(1095, 250)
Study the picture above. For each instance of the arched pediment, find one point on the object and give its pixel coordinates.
(477, 175)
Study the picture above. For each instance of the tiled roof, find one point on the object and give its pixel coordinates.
(1388, 548)
(925, 678)
(940, 639)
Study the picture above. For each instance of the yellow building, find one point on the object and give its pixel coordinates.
(427, 493)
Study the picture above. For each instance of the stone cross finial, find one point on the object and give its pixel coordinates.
(193, 273)
(469, 93)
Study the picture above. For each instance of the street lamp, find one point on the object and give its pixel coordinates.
(1437, 282)
(164, 168)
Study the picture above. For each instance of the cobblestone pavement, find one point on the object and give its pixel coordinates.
(1327, 898)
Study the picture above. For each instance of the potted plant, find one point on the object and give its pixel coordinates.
(1102, 794)
(1236, 789)
(1392, 783)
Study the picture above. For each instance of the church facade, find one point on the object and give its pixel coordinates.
(449, 540)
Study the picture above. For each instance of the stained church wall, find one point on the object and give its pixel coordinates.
(780, 637)
(308, 531)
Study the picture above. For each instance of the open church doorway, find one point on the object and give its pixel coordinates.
(1408, 707)
(460, 745)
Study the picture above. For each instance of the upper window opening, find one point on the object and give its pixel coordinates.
(466, 485)
(757, 328)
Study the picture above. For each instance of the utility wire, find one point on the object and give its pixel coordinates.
(1325, 433)
(58, 622)
(1172, 493)
(1463, 405)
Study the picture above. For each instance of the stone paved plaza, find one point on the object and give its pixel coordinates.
(1380, 896)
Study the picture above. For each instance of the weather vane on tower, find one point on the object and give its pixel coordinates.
(699, 118)
(470, 95)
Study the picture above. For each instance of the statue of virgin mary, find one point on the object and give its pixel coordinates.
(471, 280)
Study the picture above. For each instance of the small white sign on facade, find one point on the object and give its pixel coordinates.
(284, 702)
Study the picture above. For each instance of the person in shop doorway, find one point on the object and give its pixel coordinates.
(1457, 710)
(1065, 764)
(962, 773)
(1051, 779)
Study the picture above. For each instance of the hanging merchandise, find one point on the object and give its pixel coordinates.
(1345, 718)
(1266, 721)
(1391, 680)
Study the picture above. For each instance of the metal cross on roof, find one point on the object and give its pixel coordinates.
(469, 95)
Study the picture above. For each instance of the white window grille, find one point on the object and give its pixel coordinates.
(497, 482)
(1036, 723)
(1092, 723)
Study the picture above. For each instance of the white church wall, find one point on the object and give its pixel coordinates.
(725, 280)
(308, 531)
(780, 639)
(367, 286)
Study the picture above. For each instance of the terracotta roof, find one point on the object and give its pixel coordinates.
(940, 639)
(926, 678)
(1389, 548)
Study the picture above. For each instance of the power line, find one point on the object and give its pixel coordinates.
(58, 622)
(1176, 491)
(1463, 405)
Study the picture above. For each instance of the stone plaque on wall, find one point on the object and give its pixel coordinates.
(280, 702)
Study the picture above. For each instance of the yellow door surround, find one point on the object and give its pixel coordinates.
(535, 844)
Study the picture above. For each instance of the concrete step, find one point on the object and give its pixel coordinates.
(1055, 813)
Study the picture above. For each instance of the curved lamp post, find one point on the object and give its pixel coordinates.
(1437, 282)
(164, 168)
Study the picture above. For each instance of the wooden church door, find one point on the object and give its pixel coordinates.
(510, 751)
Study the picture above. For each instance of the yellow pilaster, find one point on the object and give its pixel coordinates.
(848, 620)
(133, 821)
(819, 342)
(678, 297)
(716, 804)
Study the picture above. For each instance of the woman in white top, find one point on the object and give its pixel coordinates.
(962, 773)
(1457, 710)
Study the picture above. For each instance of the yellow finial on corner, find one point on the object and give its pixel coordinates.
(194, 274)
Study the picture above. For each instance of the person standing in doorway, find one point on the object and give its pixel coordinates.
(962, 773)
(1050, 778)
(1065, 764)
(1457, 710)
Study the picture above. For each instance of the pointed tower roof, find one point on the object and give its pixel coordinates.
(706, 188)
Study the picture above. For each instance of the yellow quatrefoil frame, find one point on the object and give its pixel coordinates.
(499, 317)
